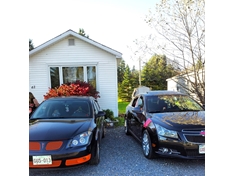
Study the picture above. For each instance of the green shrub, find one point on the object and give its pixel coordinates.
(109, 114)
(120, 122)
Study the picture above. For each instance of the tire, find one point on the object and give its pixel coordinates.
(95, 154)
(103, 132)
(146, 146)
(126, 128)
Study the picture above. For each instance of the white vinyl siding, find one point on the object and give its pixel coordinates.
(81, 54)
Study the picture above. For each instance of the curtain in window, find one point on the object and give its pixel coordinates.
(71, 74)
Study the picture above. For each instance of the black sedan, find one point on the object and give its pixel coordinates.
(167, 123)
(65, 132)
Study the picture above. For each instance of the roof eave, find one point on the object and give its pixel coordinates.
(70, 32)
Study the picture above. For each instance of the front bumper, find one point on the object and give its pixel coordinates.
(181, 148)
(62, 158)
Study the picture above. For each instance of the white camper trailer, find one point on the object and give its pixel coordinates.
(141, 89)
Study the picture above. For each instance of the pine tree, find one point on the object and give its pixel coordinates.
(126, 85)
(156, 71)
(31, 45)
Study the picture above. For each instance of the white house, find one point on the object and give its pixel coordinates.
(71, 56)
(181, 82)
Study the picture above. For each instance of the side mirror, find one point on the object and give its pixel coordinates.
(30, 114)
(101, 113)
(137, 109)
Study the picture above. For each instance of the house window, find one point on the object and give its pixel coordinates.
(62, 75)
(91, 75)
(55, 77)
(71, 74)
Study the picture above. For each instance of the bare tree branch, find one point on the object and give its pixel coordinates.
(180, 35)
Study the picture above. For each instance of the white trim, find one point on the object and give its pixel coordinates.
(60, 75)
(60, 65)
(72, 33)
(74, 64)
(85, 73)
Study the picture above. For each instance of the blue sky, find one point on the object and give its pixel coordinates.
(115, 24)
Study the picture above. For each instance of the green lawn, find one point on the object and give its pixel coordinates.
(122, 107)
(121, 110)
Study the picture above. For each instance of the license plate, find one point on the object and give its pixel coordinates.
(202, 149)
(42, 160)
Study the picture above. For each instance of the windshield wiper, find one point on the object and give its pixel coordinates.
(190, 110)
(38, 118)
(155, 111)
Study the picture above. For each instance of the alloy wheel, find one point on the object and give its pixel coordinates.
(145, 144)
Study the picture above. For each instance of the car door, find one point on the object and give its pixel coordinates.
(138, 118)
(129, 113)
(99, 119)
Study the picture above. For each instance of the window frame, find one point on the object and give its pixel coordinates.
(85, 68)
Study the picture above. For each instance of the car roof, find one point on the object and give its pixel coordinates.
(162, 92)
(71, 97)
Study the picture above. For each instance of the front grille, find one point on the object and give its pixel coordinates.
(53, 145)
(34, 146)
(193, 153)
(196, 135)
(196, 139)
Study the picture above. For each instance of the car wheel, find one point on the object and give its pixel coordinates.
(126, 127)
(103, 132)
(95, 153)
(146, 145)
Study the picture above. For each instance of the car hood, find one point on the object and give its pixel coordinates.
(56, 129)
(180, 120)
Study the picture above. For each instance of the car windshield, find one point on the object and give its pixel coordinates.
(172, 103)
(63, 109)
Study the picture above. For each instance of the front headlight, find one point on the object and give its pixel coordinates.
(165, 132)
(80, 139)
